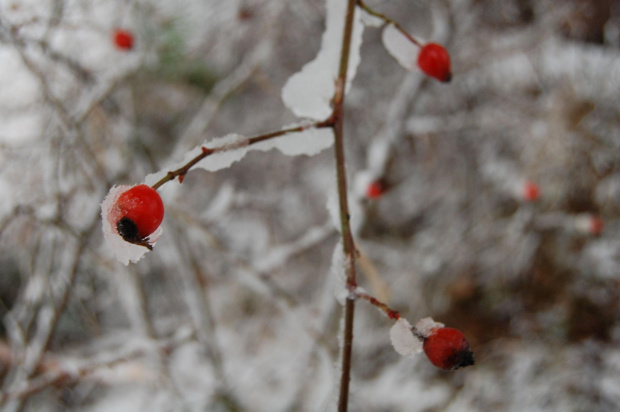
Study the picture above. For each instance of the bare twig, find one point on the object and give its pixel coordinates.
(387, 20)
(348, 243)
(390, 313)
(182, 171)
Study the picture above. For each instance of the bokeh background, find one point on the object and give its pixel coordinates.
(499, 214)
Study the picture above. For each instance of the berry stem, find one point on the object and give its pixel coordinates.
(182, 171)
(387, 20)
(391, 313)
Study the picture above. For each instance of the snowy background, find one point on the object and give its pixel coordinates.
(236, 309)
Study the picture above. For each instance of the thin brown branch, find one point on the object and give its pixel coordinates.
(347, 238)
(389, 21)
(390, 313)
(183, 170)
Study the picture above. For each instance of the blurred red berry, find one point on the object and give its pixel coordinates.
(375, 189)
(434, 60)
(596, 225)
(123, 39)
(531, 191)
(245, 13)
(141, 211)
(448, 349)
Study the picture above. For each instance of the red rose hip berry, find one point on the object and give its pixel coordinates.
(123, 39)
(140, 211)
(448, 349)
(434, 61)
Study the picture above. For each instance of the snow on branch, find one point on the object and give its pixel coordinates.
(308, 93)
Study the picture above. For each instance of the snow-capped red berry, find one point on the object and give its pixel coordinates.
(123, 39)
(140, 212)
(530, 191)
(448, 349)
(128, 214)
(375, 189)
(434, 60)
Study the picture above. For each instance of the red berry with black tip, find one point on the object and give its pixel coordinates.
(140, 211)
(448, 349)
(123, 39)
(434, 61)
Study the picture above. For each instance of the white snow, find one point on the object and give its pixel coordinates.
(19, 91)
(332, 206)
(369, 20)
(426, 326)
(400, 47)
(403, 339)
(378, 154)
(308, 142)
(308, 93)
(17, 85)
(339, 273)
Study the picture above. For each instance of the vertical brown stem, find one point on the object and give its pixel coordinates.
(348, 244)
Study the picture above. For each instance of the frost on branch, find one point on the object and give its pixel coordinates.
(403, 340)
(308, 142)
(124, 251)
(233, 147)
(400, 47)
(356, 213)
(308, 93)
(229, 149)
(339, 273)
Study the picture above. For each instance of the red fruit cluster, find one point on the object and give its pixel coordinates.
(448, 349)
(434, 60)
(123, 39)
(140, 211)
